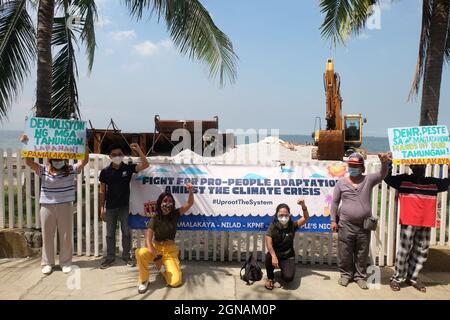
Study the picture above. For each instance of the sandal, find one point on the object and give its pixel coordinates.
(418, 285)
(269, 284)
(395, 285)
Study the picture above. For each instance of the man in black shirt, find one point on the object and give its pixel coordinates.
(114, 200)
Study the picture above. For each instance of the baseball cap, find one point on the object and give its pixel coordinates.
(355, 158)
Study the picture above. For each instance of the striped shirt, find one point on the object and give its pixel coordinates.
(417, 197)
(57, 188)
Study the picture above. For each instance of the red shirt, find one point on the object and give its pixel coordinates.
(417, 196)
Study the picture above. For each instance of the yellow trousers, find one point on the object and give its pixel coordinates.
(170, 260)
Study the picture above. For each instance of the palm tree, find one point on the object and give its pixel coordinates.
(190, 26)
(346, 17)
(21, 43)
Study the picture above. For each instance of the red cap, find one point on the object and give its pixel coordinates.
(355, 158)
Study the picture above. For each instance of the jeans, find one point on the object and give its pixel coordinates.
(112, 215)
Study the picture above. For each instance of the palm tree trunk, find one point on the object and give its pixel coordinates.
(434, 63)
(44, 57)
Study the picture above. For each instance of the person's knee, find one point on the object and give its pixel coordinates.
(288, 277)
(140, 252)
(175, 280)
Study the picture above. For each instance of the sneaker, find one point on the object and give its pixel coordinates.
(129, 261)
(362, 284)
(143, 287)
(344, 281)
(67, 269)
(106, 263)
(47, 270)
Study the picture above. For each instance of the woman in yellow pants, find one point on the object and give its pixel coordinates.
(160, 245)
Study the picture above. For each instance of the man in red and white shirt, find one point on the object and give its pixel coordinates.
(417, 197)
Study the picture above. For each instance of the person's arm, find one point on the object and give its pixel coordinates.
(302, 221)
(392, 181)
(85, 161)
(376, 178)
(30, 161)
(443, 184)
(144, 162)
(190, 201)
(149, 242)
(33, 165)
(335, 206)
(269, 246)
(102, 198)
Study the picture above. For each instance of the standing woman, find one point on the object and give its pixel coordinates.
(160, 245)
(56, 197)
(280, 243)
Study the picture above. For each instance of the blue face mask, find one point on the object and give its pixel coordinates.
(58, 165)
(354, 172)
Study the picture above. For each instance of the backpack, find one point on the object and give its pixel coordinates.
(252, 272)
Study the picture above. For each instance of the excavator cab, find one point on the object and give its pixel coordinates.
(353, 132)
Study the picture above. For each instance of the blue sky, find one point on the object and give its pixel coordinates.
(138, 73)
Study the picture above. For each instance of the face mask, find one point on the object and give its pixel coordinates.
(167, 207)
(283, 220)
(58, 165)
(354, 172)
(117, 160)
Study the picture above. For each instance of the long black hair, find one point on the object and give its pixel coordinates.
(159, 203)
(279, 207)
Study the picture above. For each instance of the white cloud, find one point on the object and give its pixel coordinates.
(129, 67)
(123, 35)
(103, 21)
(149, 48)
(385, 4)
(146, 48)
(109, 52)
(364, 36)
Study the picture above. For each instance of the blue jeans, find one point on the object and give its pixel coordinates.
(112, 215)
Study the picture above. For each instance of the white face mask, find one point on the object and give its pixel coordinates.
(117, 160)
(58, 164)
(283, 220)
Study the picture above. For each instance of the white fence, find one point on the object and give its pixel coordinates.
(19, 208)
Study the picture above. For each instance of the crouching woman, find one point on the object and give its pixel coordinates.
(280, 243)
(160, 245)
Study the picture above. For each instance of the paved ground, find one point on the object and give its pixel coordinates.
(22, 279)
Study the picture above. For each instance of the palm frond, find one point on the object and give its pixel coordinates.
(88, 12)
(344, 18)
(194, 33)
(423, 46)
(447, 46)
(17, 50)
(64, 69)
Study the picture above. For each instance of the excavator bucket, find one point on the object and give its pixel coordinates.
(331, 145)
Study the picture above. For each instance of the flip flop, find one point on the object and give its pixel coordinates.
(269, 284)
(395, 286)
(418, 286)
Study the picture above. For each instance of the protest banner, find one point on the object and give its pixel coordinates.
(420, 145)
(235, 197)
(54, 139)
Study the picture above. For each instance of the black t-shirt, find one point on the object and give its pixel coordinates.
(165, 227)
(117, 184)
(283, 239)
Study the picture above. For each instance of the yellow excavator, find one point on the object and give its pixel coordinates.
(341, 136)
